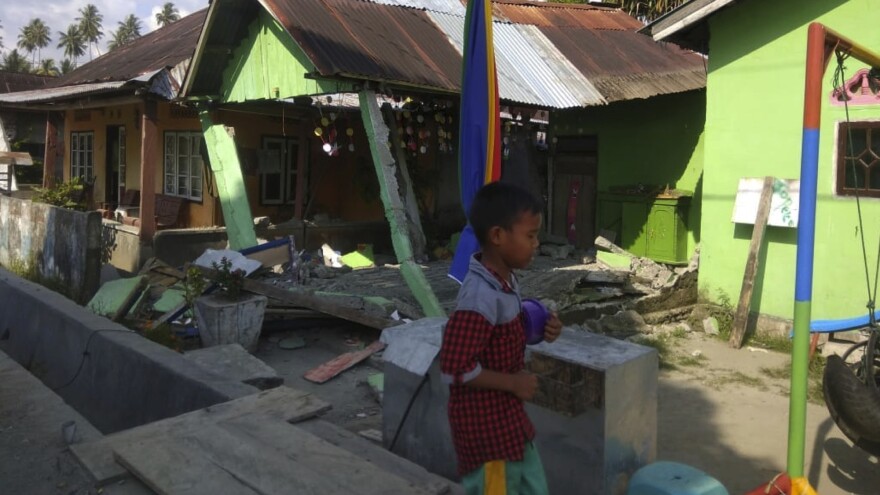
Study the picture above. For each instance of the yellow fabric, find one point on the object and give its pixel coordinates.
(800, 486)
(495, 480)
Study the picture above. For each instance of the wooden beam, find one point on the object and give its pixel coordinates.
(741, 318)
(150, 159)
(229, 180)
(414, 222)
(54, 151)
(395, 212)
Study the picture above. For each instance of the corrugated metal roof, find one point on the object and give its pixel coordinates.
(18, 81)
(50, 94)
(444, 6)
(369, 40)
(165, 47)
(530, 70)
(626, 65)
(544, 14)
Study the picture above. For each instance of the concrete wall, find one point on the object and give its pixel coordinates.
(64, 246)
(754, 122)
(114, 377)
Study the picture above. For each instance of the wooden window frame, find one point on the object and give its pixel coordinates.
(82, 158)
(842, 161)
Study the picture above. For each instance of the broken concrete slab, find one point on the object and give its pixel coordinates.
(623, 324)
(170, 299)
(613, 260)
(556, 252)
(710, 326)
(234, 362)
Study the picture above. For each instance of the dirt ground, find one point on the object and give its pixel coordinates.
(724, 412)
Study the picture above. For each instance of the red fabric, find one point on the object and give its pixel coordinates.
(486, 425)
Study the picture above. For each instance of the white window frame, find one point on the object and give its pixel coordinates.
(183, 172)
(82, 155)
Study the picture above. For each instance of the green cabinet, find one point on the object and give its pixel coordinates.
(649, 226)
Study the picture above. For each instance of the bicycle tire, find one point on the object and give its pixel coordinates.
(853, 406)
(872, 354)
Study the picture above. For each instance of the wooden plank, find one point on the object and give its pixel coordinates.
(362, 447)
(253, 456)
(272, 256)
(741, 318)
(281, 403)
(341, 363)
(308, 300)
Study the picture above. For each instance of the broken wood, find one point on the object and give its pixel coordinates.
(395, 206)
(280, 403)
(341, 363)
(414, 222)
(308, 300)
(741, 318)
(130, 299)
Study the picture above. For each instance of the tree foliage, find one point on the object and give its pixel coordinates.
(167, 15)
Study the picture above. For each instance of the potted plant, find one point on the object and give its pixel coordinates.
(229, 315)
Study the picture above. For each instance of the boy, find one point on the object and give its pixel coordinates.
(483, 351)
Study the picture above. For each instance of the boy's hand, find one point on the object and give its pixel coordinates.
(524, 385)
(553, 328)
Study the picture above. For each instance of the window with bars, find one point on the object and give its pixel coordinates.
(858, 159)
(183, 164)
(82, 155)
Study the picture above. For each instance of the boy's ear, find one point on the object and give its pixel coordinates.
(494, 235)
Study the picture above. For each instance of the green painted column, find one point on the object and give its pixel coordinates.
(797, 408)
(395, 210)
(230, 183)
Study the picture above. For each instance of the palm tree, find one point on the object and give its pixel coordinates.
(26, 39)
(1, 37)
(73, 42)
(14, 62)
(128, 30)
(66, 66)
(168, 15)
(90, 25)
(47, 67)
(41, 37)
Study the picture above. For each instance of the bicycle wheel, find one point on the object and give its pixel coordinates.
(871, 360)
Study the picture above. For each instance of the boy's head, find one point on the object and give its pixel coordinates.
(506, 220)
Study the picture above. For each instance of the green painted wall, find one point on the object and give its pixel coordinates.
(654, 141)
(754, 125)
(268, 59)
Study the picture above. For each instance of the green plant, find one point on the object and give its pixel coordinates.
(163, 335)
(193, 285)
(228, 280)
(68, 195)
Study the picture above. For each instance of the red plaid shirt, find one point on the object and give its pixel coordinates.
(486, 424)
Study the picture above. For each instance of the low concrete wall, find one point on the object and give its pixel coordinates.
(111, 375)
(62, 246)
(124, 246)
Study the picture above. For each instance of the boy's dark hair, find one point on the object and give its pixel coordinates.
(500, 204)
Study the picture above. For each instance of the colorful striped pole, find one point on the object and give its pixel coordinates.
(821, 44)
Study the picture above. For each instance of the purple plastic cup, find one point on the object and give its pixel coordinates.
(535, 316)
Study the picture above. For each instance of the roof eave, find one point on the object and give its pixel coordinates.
(689, 17)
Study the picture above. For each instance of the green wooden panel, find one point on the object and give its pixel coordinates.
(633, 233)
(662, 238)
(268, 64)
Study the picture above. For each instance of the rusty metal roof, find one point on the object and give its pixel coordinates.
(19, 81)
(371, 41)
(53, 94)
(166, 47)
(603, 43)
(543, 14)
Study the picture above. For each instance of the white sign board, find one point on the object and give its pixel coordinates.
(783, 205)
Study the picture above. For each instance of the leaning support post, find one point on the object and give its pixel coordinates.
(395, 211)
(821, 44)
(229, 179)
(414, 223)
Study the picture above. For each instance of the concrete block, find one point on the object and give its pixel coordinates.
(224, 321)
(234, 362)
(603, 393)
(613, 260)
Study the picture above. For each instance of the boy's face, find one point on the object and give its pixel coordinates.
(517, 245)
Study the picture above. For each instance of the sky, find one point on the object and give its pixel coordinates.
(58, 15)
